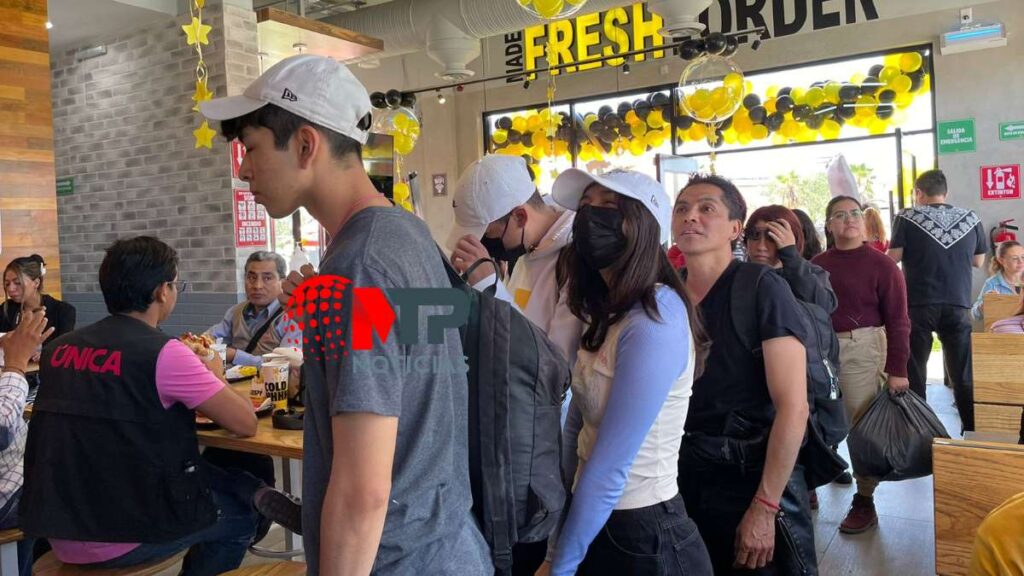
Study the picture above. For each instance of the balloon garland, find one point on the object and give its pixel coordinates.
(871, 103)
(197, 34)
(551, 9)
(398, 120)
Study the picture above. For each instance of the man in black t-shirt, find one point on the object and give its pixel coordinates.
(738, 470)
(938, 245)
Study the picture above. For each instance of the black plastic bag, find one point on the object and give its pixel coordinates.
(893, 439)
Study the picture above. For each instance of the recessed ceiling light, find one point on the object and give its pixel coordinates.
(49, 24)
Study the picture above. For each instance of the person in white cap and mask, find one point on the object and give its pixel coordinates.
(385, 481)
(499, 214)
(631, 384)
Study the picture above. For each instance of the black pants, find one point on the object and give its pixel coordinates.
(259, 465)
(718, 496)
(527, 557)
(658, 540)
(953, 325)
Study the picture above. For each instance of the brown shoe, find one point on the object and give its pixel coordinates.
(814, 499)
(861, 517)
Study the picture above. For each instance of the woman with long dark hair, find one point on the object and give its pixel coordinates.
(812, 242)
(631, 384)
(23, 290)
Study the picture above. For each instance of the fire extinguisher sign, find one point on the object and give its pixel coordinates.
(1000, 182)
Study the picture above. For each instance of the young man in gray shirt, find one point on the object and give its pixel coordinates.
(385, 468)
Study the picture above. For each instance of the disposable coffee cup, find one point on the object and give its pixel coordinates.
(275, 379)
(257, 391)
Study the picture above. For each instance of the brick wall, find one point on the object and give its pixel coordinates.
(123, 130)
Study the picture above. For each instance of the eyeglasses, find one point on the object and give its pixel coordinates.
(756, 235)
(854, 214)
(181, 285)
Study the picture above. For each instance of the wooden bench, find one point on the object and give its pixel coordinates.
(998, 382)
(274, 569)
(49, 565)
(996, 307)
(971, 479)
(9, 551)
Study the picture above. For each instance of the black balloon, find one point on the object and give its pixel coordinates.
(784, 103)
(514, 136)
(916, 82)
(784, 92)
(876, 70)
(726, 124)
(815, 121)
(774, 121)
(393, 98)
(659, 100)
(715, 43)
(643, 108)
(846, 111)
(604, 111)
(886, 96)
(885, 111)
(751, 101)
(505, 123)
(870, 86)
(758, 114)
(614, 121)
(409, 100)
(683, 122)
(377, 100)
(624, 107)
(719, 139)
(731, 46)
(802, 112)
(849, 93)
(691, 49)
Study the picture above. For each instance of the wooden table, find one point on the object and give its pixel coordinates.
(32, 367)
(269, 441)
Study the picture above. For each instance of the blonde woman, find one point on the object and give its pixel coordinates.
(1007, 275)
(875, 228)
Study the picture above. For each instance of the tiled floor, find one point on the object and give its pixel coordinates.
(902, 545)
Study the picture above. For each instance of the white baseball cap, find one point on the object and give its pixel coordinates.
(488, 190)
(570, 185)
(313, 87)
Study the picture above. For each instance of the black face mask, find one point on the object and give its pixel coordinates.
(496, 246)
(597, 236)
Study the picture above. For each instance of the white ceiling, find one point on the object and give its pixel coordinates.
(76, 23)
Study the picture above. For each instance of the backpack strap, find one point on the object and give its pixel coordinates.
(743, 305)
(255, 340)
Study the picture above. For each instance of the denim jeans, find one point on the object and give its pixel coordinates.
(9, 520)
(217, 548)
(658, 540)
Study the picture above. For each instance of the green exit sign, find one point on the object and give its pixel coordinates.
(1011, 130)
(65, 186)
(956, 136)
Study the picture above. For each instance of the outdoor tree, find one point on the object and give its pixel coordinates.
(810, 193)
(865, 177)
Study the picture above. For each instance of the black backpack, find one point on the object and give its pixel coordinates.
(517, 382)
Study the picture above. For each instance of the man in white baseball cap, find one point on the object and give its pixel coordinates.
(385, 481)
(500, 214)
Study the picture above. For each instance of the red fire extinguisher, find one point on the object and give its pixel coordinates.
(1003, 233)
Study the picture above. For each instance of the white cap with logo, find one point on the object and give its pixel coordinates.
(488, 190)
(315, 88)
(570, 185)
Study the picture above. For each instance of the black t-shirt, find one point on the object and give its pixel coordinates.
(939, 243)
(734, 384)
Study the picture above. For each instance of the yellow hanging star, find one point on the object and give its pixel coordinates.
(196, 30)
(202, 94)
(204, 135)
(200, 3)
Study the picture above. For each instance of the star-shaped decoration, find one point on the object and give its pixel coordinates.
(204, 135)
(197, 31)
(202, 94)
(201, 3)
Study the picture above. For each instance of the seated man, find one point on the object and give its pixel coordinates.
(257, 326)
(113, 476)
(998, 548)
(18, 347)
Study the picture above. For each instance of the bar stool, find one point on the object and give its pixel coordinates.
(274, 569)
(49, 565)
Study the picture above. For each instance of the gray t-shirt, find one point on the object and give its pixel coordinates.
(429, 527)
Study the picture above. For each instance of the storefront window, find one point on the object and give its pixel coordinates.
(543, 137)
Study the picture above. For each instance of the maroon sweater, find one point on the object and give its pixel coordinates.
(871, 292)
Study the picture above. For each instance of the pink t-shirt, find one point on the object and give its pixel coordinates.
(180, 377)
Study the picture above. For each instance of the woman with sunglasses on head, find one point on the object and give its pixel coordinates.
(23, 288)
(631, 384)
(873, 329)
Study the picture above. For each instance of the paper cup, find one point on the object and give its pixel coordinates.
(275, 379)
(257, 391)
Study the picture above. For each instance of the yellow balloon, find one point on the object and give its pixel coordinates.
(400, 192)
(730, 136)
(778, 139)
(888, 74)
(866, 106)
(748, 87)
(830, 129)
(760, 132)
(538, 153)
(500, 136)
(637, 147)
(799, 96)
(742, 124)
(772, 91)
(903, 101)
(700, 99)
(519, 124)
(539, 140)
(877, 126)
(892, 59)
(832, 92)
(654, 139)
(533, 122)
(401, 122)
(682, 134)
(733, 81)
(588, 120)
(655, 120)
(698, 132)
(403, 144)
(745, 138)
(815, 97)
(769, 105)
(790, 128)
(548, 8)
(911, 62)
(858, 78)
(901, 84)
(561, 147)
(631, 117)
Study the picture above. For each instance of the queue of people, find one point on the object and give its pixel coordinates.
(683, 436)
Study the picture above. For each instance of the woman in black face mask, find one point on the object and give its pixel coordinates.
(631, 383)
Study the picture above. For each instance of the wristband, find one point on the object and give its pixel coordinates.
(767, 503)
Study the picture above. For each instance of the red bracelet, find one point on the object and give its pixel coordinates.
(768, 503)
